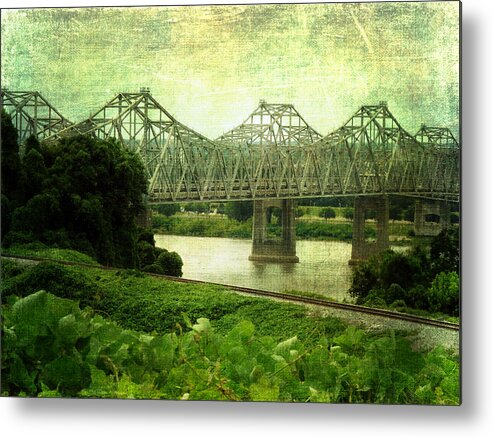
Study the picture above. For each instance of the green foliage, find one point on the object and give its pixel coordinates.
(167, 263)
(239, 211)
(167, 209)
(348, 213)
(153, 259)
(327, 213)
(401, 208)
(40, 250)
(51, 348)
(6, 215)
(202, 226)
(299, 212)
(85, 194)
(211, 226)
(197, 207)
(404, 281)
(11, 268)
(60, 280)
(445, 252)
(327, 201)
(11, 165)
(444, 293)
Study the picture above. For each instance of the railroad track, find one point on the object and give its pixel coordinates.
(282, 296)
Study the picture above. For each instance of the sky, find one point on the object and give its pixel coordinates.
(210, 65)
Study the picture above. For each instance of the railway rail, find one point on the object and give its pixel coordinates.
(277, 295)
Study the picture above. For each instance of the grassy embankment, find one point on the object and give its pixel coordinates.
(285, 355)
(308, 227)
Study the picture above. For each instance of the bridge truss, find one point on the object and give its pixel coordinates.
(275, 154)
(271, 125)
(32, 114)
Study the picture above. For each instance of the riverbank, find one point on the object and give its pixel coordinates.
(307, 228)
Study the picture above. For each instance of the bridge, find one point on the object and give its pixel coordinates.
(32, 114)
(273, 158)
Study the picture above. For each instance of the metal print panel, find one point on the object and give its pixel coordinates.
(254, 202)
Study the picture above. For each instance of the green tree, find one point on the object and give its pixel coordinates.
(445, 252)
(240, 211)
(348, 213)
(167, 209)
(443, 294)
(11, 164)
(87, 195)
(327, 213)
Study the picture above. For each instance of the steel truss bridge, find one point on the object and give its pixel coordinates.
(274, 153)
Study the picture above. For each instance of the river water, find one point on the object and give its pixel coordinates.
(323, 266)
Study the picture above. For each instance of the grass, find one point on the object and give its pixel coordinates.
(41, 251)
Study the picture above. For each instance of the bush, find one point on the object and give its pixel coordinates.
(348, 213)
(146, 253)
(59, 280)
(168, 209)
(171, 263)
(445, 252)
(444, 293)
(11, 268)
(240, 211)
(167, 263)
(327, 213)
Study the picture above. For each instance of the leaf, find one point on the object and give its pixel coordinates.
(202, 326)
(37, 314)
(188, 322)
(286, 346)
(264, 391)
(64, 372)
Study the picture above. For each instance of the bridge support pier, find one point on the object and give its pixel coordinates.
(265, 250)
(363, 249)
(437, 208)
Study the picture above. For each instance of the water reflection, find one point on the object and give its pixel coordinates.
(323, 266)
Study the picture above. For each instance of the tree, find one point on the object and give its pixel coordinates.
(445, 252)
(348, 213)
(11, 164)
(240, 211)
(167, 209)
(87, 196)
(443, 294)
(327, 213)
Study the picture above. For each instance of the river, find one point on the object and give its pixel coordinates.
(323, 266)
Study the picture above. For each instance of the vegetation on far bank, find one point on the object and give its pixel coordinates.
(224, 227)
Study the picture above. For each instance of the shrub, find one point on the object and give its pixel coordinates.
(327, 213)
(59, 280)
(146, 253)
(445, 252)
(171, 263)
(167, 263)
(348, 213)
(444, 293)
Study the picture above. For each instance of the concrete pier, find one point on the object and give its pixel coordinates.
(265, 250)
(424, 208)
(363, 249)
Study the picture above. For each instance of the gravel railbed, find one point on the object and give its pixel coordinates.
(422, 337)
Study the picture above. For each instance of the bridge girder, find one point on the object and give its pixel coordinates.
(371, 154)
(32, 114)
(271, 124)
